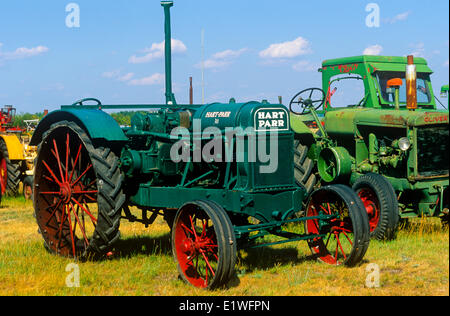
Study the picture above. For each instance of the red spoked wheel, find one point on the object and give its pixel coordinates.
(346, 236)
(77, 196)
(204, 245)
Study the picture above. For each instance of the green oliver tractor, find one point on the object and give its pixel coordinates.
(374, 125)
(204, 168)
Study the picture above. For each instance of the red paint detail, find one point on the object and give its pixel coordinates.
(3, 175)
(436, 119)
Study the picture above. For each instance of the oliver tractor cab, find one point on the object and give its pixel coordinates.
(375, 126)
(199, 167)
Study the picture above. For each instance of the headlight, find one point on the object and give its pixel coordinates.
(404, 144)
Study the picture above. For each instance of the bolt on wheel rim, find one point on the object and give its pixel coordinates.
(65, 194)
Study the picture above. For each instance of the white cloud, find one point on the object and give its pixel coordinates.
(304, 66)
(222, 59)
(117, 75)
(111, 74)
(229, 54)
(446, 64)
(156, 51)
(399, 17)
(418, 50)
(373, 50)
(23, 52)
(154, 79)
(297, 47)
(53, 87)
(126, 77)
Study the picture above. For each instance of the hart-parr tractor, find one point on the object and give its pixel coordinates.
(375, 125)
(205, 168)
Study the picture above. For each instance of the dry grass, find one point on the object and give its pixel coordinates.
(417, 263)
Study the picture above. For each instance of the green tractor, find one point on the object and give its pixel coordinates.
(374, 125)
(90, 174)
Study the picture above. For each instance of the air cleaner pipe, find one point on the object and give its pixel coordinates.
(411, 84)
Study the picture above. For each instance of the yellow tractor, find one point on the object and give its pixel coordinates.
(16, 156)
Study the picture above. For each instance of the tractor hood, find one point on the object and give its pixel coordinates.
(402, 118)
(345, 121)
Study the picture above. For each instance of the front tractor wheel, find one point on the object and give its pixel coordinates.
(78, 195)
(204, 244)
(381, 204)
(345, 237)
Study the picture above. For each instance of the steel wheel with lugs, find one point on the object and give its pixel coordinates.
(78, 195)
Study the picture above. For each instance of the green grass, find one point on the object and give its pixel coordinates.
(417, 263)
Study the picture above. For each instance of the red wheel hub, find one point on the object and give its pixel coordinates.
(65, 192)
(371, 203)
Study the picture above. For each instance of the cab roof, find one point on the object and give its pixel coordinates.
(372, 59)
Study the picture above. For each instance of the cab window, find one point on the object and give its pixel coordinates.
(346, 91)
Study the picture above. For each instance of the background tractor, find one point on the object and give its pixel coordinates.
(89, 173)
(16, 156)
(12, 155)
(375, 125)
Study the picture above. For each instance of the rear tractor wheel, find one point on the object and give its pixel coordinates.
(204, 244)
(303, 168)
(346, 236)
(78, 195)
(10, 172)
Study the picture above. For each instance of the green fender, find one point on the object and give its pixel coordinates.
(97, 124)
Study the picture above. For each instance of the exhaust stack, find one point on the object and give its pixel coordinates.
(170, 97)
(411, 84)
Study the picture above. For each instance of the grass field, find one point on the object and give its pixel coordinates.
(417, 263)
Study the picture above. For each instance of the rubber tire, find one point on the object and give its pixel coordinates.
(359, 219)
(225, 239)
(389, 210)
(13, 171)
(110, 197)
(303, 168)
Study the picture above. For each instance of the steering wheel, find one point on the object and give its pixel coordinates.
(80, 102)
(307, 99)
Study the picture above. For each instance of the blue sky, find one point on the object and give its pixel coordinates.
(254, 50)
